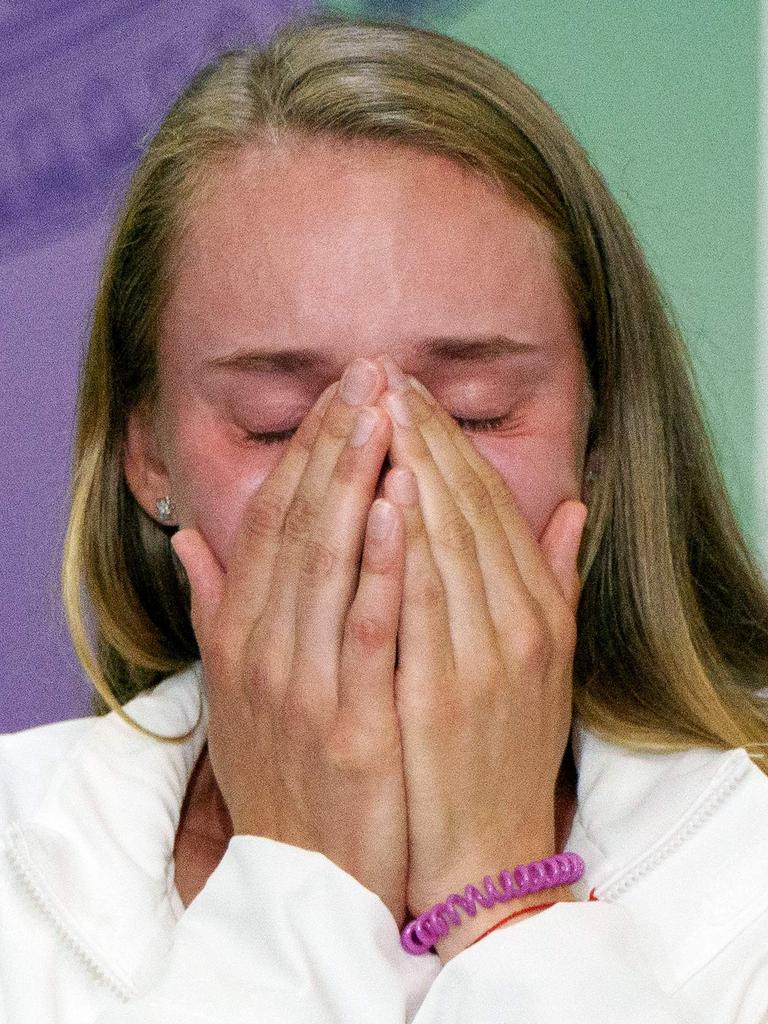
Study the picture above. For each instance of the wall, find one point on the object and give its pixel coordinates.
(664, 97)
(81, 83)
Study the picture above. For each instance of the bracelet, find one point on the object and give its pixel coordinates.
(560, 869)
(506, 920)
(528, 910)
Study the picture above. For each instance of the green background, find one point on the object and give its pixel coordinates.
(664, 96)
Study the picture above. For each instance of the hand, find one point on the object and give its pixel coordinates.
(483, 686)
(298, 644)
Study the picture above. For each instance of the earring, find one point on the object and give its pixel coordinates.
(165, 508)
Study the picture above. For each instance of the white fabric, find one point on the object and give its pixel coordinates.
(93, 930)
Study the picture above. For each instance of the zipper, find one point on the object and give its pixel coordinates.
(688, 826)
(16, 856)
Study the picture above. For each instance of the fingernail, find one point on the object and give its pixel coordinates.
(398, 408)
(358, 382)
(381, 519)
(366, 421)
(322, 403)
(421, 389)
(402, 485)
(396, 379)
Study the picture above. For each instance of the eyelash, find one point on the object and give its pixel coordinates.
(480, 426)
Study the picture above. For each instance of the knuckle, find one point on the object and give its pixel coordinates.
(368, 632)
(319, 561)
(532, 642)
(428, 594)
(455, 534)
(299, 518)
(265, 516)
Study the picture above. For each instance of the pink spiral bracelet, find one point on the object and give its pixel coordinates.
(424, 931)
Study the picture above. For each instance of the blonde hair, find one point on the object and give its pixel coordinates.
(673, 620)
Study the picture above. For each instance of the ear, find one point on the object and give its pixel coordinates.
(145, 471)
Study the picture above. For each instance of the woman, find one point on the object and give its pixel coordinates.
(389, 456)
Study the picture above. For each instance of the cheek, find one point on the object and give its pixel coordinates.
(216, 480)
(539, 473)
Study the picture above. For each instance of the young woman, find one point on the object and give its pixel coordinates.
(407, 563)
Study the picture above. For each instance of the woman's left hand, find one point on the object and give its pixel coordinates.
(484, 679)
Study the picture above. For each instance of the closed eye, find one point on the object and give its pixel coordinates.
(275, 437)
(481, 425)
(279, 436)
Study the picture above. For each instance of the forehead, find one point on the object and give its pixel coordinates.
(355, 249)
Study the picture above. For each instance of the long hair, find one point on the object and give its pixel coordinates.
(672, 642)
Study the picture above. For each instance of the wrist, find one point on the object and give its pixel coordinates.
(471, 928)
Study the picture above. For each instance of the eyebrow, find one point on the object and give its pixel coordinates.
(475, 348)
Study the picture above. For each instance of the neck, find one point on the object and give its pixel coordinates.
(204, 812)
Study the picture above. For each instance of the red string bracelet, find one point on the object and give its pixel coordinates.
(526, 910)
(518, 913)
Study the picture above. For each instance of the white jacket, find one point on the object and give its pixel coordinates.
(92, 930)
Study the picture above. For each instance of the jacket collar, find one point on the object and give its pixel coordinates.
(99, 847)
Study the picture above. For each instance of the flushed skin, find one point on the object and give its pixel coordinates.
(359, 251)
(404, 247)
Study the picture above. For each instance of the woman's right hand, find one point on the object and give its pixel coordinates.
(298, 644)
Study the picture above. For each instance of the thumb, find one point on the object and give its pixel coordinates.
(561, 542)
(206, 579)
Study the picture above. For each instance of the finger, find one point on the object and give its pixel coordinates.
(561, 542)
(425, 650)
(233, 599)
(509, 600)
(531, 562)
(300, 545)
(206, 580)
(259, 536)
(452, 543)
(328, 572)
(366, 689)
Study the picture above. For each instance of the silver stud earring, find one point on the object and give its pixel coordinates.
(165, 508)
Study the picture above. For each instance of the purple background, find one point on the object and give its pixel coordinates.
(81, 83)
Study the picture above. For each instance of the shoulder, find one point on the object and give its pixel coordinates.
(28, 760)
